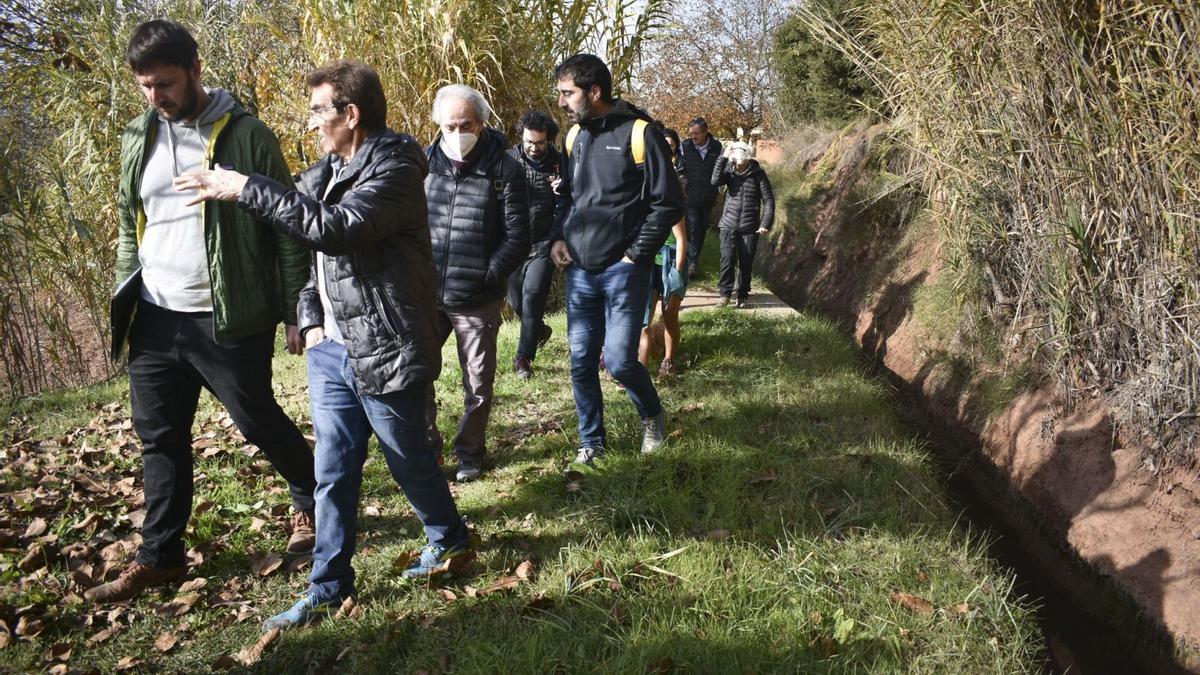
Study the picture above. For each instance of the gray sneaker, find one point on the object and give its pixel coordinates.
(466, 473)
(654, 432)
(584, 463)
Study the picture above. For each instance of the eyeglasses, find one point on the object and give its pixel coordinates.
(535, 144)
(318, 112)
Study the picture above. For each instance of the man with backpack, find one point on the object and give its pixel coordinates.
(620, 197)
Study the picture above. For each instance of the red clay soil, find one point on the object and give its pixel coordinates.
(1078, 480)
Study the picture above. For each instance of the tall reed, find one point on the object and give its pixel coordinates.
(66, 94)
(1061, 140)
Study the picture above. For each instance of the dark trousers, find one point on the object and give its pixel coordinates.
(528, 290)
(171, 356)
(737, 251)
(475, 330)
(697, 226)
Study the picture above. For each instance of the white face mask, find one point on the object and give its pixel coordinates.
(457, 145)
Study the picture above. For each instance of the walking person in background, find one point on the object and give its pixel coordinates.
(479, 224)
(668, 284)
(215, 283)
(749, 211)
(698, 155)
(529, 285)
(621, 197)
(368, 314)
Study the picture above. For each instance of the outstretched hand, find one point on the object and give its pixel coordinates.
(212, 184)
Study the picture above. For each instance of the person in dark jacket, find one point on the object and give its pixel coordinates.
(201, 320)
(479, 223)
(529, 286)
(749, 211)
(699, 155)
(621, 197)
(369, 320)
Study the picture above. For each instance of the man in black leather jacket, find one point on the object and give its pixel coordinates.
(368, 318)
(479, 224)
(529, 286)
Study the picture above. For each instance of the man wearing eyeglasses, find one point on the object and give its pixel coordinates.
(214, 284)
(529, 285)
(369, 317)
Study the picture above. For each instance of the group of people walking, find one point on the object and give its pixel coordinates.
(372, 258)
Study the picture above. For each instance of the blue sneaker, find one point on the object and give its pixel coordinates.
(436, 559)
(306, 610)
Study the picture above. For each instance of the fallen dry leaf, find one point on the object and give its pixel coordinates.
(59, 652)
(405, 561)
(719, 534)
(251, 655)
(525, 569)
(128, 663)
(447, 594)
(27, 626)
(59, 669)
(267, 564)
(698, 405)
(913, 603)
(225, 662)
(37, 527)
(34, 559)
(166, 642)
(101, 636)
(958, 609)
(193, 585)
(180, 605)
(5, 635)
(502, 584)
(371, 511)
(349, 609)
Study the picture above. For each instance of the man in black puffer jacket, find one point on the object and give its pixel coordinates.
(749, 211)
(529, 286)
(699, 154)
(479, 224)
(368, 319)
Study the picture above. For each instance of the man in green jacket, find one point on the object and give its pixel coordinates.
(214, 285)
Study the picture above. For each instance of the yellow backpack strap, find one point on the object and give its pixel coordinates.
(637, 143)
(571, 134)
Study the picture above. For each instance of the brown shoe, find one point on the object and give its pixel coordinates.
(304, 533)
(132, 581)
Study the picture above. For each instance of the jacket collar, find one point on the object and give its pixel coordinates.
(323, 171)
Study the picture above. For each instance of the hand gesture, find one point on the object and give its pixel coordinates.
(218, 184)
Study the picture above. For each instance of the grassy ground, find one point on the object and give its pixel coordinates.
(778, 531)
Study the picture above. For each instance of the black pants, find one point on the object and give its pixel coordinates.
(528, 290)
(737, 251)
(171, 356)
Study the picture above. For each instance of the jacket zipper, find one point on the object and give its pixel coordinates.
(383, 314)
(446, 241)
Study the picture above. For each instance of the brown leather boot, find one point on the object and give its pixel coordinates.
(304, 533)
(133, 580)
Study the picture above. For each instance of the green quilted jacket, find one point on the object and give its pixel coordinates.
(256, 272)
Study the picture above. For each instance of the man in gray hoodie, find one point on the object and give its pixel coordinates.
(214, 285)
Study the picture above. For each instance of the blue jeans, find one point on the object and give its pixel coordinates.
(697, 226)
(605, 309)
(343, 421)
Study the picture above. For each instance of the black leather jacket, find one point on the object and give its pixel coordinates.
(378, 267)
(542, 199)
(478, 222)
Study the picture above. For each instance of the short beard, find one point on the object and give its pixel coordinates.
(190, 102)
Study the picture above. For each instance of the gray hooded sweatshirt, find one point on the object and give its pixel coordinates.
(172, 251)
